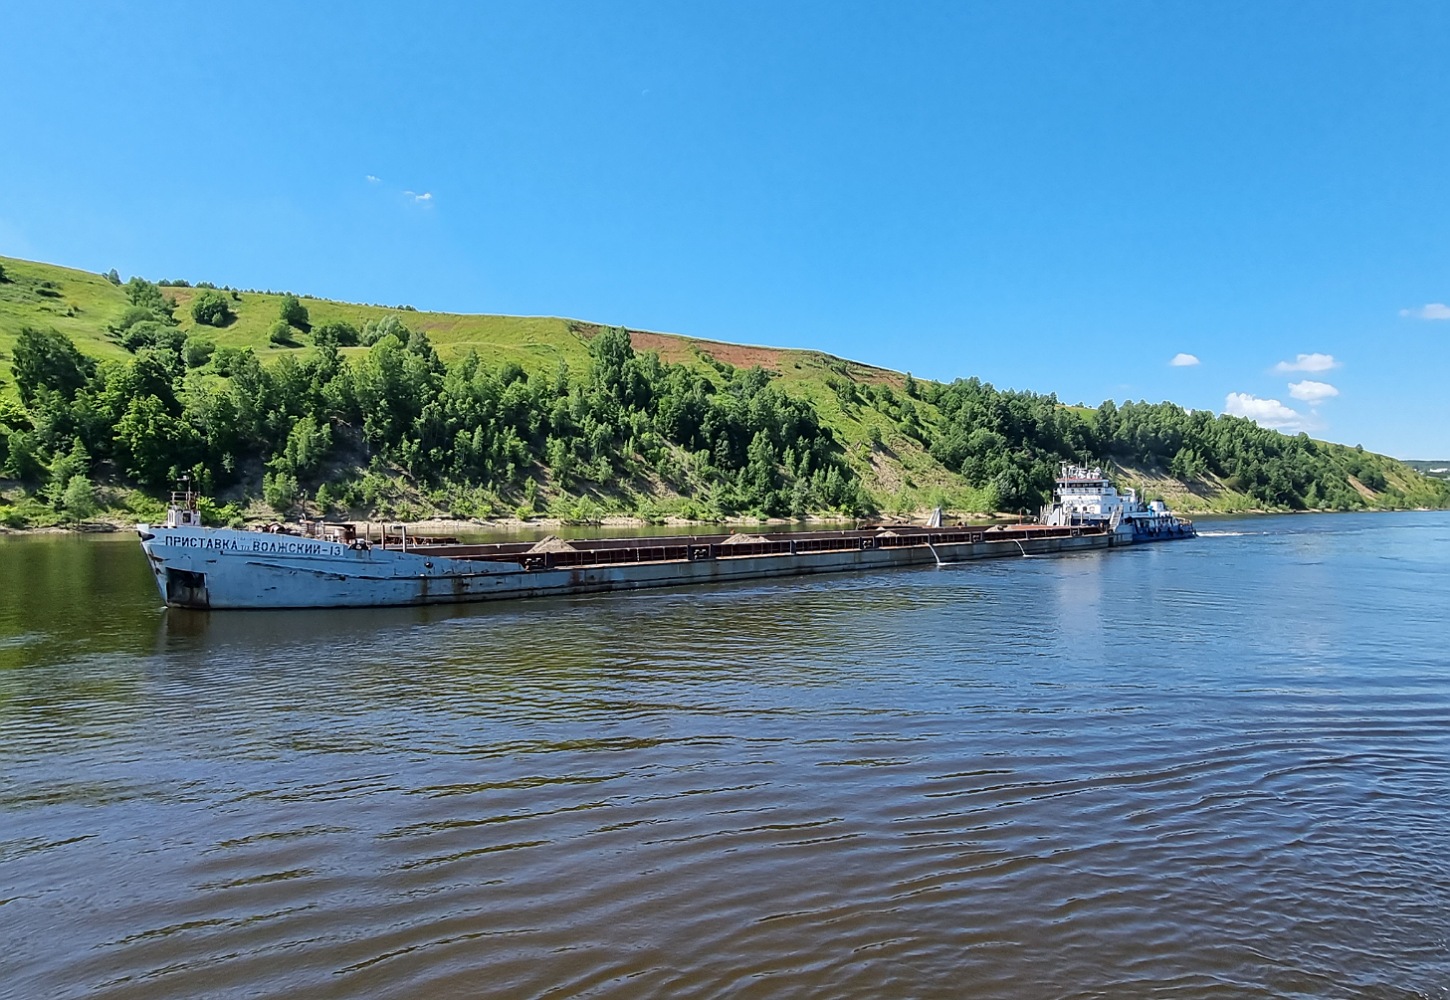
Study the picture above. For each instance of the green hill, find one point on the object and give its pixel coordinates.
(80, 305)
(373, 410)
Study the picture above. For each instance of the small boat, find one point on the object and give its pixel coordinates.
(317, 565)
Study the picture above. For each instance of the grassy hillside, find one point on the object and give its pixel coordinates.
(80, 304)
(909, 445)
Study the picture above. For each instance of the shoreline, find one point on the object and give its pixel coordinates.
(511, 525)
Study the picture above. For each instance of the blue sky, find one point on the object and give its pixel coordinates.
(1060, 197)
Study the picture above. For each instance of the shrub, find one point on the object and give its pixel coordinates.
(132, 316)
(387, 326)
(197, 351)
(325, 499)
(152, 333)
(229, 360)
(141, 292)
(211, 308)
(281, 334)
(146, 507)
(338, 333)
(294, 313)
(213, 513)
(586, 511)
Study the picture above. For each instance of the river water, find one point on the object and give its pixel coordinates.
(1214, 768)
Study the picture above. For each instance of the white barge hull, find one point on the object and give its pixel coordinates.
(198, 567)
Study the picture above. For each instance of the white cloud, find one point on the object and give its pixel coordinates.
(1312, 392)
(1430, 310)
(1265, 412)
(1308, 363)
(374, 180)
(425, 197)
(1183, 361)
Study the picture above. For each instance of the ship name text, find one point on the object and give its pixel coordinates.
(289, 546)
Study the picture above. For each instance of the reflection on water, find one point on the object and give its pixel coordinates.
(1213, 768)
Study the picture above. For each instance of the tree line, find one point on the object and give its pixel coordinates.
(1012, 442)
(324, 425)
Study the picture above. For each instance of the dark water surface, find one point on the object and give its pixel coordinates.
(1217, 768)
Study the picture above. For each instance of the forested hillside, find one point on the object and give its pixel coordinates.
(278, 404)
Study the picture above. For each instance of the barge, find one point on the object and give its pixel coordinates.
(330, 566)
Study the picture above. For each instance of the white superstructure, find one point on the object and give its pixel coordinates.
(1083, 497)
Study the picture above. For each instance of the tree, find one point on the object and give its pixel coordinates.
(760, 478)
(13, 415)
(294, 313)
(63, 468)
(338, 333)
(22, 458)
(45, 359)
(140, 292)
(3, 277)
(211, 308)
(113, 277)
(279, 489)
(152, 444)
(307, 446)
(78, 500)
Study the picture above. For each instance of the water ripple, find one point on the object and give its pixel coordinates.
(1216, 769)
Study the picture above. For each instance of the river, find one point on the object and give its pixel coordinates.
(1211, 768)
